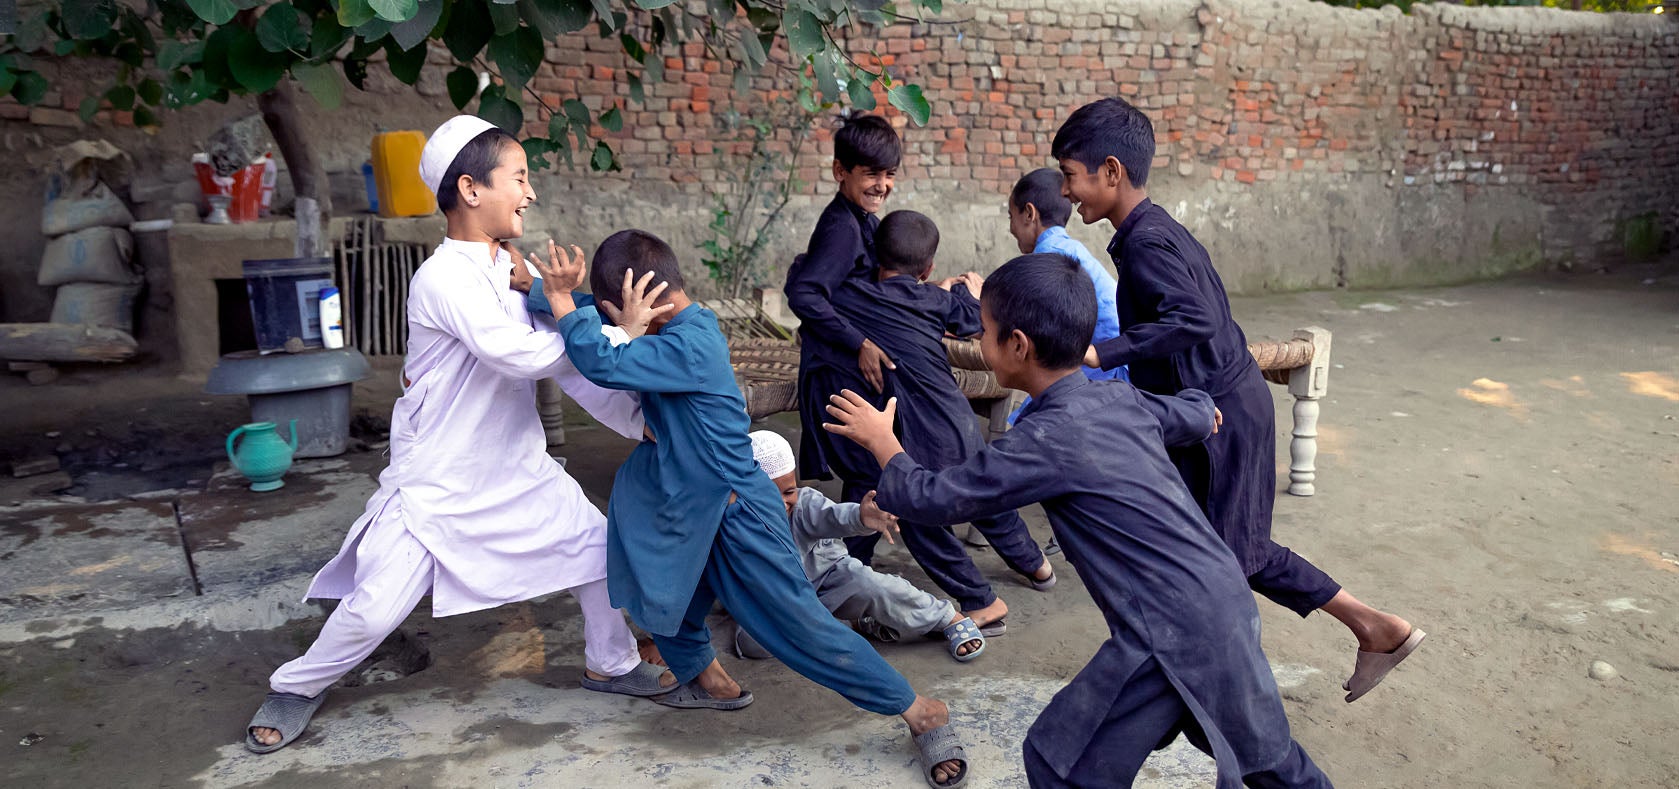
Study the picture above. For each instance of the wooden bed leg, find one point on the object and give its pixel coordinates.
(1308, 384)
(1000, 410)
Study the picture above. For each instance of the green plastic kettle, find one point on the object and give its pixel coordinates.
(263, 457)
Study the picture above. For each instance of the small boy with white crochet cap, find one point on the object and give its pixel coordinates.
(880, 605)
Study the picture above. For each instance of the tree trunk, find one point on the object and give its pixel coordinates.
(308, 178)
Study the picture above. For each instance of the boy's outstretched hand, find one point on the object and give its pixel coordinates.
(520, 279)
(561, 274)
(855, 419)
(638, 311)
(877, 519)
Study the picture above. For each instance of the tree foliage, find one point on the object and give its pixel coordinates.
(177, 53)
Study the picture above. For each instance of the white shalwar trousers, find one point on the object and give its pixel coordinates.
(393, 572)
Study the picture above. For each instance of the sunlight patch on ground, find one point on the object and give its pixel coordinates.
(1494, 393)
(1651, 384)
(1615, 543)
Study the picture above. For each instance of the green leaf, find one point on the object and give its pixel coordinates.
(468, 30)
(804, 34)
(366, 48)
(763, 18)
(405, 65)
(654, 68)
(395, 10)
(216, 12)
(31, 87)
(151, 92)
(321, 80)
(256, 69)
(280, 30)
(653, 5)
(558, 126)
(418, 28)
(121, 97)
(936, 6)
(858, 89)
(603, 13)
(495, 107)
(612, 120)
(908, 98)
(87, 19)
(145, 118)
(517, 56)
(536, 153)
(352, 13)
(603, 158)
(174, 54)
(722, 11)
(637, 93)
(213, 65)
(633, 48)
(556, 17)
(826, 81)
(577, 112)
(64, 47)
(463, 86)
(8, 78)
(88, 108)
(505, 18)
(326, 37)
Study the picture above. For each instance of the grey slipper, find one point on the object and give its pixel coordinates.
(938, 746)
(748, 648)
(1372, 667)
(287, 713)
(691, 696)
(643, 680)
(1044, 585)
(1052, 547)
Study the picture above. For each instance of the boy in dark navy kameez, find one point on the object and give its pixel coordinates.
(833, 353)
(909, 317)
(1183, 652)
(1177, 333)
(692, 518)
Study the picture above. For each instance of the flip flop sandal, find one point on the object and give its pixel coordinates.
(1052, 547)
(643, 680)
(938, 746)
(871, 627)
(748, 648)
(994, 628)
(1372, 667)
(958, 633)
(691, 696)
(1044, 585)
(287, 713)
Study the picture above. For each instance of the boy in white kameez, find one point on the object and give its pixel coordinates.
(471, 509)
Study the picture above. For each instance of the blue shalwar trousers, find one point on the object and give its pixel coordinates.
(1148, 715)
(754, 571)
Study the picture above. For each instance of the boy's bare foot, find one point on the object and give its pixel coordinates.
(717, 682)
(265, 735)
(966, 647)
(1376, 631)
(650, 652)
(1044, 572)
(991, 613)
(924, 716)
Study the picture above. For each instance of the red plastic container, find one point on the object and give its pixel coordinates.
(247, 194)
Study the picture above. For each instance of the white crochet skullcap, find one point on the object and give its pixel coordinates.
(773, 453)
(445, 144)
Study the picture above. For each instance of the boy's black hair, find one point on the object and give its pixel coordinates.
(1110, 127)
(638, 250)
(868, 141)
(478, 158)
(906, 242)
(1050, 299)
(1042, 188)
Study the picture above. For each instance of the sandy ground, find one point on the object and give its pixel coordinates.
(1499, 463)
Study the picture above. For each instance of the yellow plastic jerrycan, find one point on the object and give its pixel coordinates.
(396, 171)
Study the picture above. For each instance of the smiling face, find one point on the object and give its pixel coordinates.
(866, 186)
(1093, 194)
(1025, 227)
(788, 484)
(500, 200)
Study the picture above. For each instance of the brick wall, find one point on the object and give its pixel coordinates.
(1306, 145)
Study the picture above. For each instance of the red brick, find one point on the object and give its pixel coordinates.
(1247, 176)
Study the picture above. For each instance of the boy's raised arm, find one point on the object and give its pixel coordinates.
(650, 363)
(1159, 276)
(1185, 418)
(450, 303)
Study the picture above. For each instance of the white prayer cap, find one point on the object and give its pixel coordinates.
(773, 453)
(445, 144)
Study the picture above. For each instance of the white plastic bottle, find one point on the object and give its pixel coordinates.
(332, 318)
(270, 178)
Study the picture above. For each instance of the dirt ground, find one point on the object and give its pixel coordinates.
(1498, 462)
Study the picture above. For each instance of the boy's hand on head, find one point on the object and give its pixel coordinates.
(870, 358)
(879, 520)
(561, 273)
(973, 281)
(638, 311)
(856, 419)
(521, 279)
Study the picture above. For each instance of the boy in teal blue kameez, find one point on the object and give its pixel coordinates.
(692, 519)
